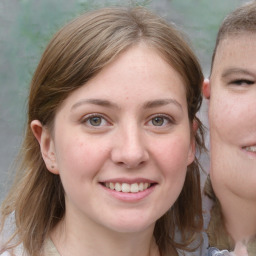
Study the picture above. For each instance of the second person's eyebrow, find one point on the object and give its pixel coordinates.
(231, 71)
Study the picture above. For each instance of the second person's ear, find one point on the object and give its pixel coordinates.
(206, 88)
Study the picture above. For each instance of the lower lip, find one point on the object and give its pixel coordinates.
(130, 197)
(251, 154)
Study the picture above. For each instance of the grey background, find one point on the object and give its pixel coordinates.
(27, 25)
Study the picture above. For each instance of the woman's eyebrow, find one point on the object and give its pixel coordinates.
(109, 104)
(230, 71)
(162, 102)
(99, 102)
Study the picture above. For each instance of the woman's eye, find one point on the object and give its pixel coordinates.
(160, 121)
(242, 82)
(95, 121)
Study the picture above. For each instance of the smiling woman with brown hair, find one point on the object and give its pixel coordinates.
(108, 164)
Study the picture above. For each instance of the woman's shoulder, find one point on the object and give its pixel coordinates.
(17, 251)
(9, 227)
(5, 254)
(50, 249)
(212, 251)
(10, 254)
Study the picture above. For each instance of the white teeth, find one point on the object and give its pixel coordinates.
(251, 149)
(127, 188)
(111, 185)
(118, 187)
(134, 188)
(145, 186)
(141, 187)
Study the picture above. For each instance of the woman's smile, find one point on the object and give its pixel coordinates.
(125, 187)
(129, 192)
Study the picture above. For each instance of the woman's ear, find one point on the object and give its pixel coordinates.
(46, 143)
(206, 88)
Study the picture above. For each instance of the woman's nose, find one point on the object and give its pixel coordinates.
(129, 150)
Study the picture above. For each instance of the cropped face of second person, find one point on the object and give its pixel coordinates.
(232, 116)
(122, 143)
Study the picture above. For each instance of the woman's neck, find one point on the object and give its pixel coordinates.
(239, 216)
(71, 239)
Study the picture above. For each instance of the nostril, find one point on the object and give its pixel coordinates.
(123, 164)
(131, 165)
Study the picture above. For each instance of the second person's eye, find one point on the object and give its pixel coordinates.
(242, 82)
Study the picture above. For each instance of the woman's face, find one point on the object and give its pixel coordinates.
(232, 116)
(122, 144)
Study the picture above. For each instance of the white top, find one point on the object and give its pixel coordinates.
(50, 249)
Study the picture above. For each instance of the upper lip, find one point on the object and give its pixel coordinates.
(129, 180)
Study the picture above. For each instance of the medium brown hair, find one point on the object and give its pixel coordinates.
(78, 52)
(240, 21)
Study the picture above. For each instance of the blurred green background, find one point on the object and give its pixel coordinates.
(27, 25)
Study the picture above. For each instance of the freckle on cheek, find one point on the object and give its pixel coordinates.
(81, 144)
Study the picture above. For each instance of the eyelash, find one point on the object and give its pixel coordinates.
(241, 82)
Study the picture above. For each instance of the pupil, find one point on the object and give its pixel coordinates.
(95, 121)
(158, 121)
